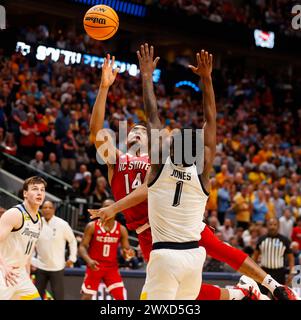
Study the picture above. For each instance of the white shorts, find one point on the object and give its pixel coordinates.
(23, 290)
(174, 274)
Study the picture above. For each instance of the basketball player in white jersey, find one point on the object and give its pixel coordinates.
(177, 196)
(20, 228)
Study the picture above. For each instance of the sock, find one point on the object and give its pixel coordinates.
(235, 294)
(270, 283)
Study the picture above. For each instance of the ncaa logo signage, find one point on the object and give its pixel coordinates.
(2, 18)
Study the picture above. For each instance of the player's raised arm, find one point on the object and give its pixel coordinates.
(204, 70)
(147, 67)
(108, 77)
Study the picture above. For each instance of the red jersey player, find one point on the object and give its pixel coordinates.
(129, 205)
(99, 249)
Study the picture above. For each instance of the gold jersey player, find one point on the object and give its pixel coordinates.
(177, 196)
(20, 229)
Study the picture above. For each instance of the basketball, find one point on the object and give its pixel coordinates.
(101, 22)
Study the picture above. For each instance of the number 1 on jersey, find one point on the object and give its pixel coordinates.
(177, 197)
(136, 183)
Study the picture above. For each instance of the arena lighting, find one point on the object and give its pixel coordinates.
(133, 9)
(264, 39)
(71, 57)
(189, 84)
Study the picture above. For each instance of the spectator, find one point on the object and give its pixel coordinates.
(19, 116)
(50, 261)
(3, 118)
(79, 176)
(224, 201)
(226, 230)
(52, 167)
(38, 161)
(296, 252)
(86, 184)
(29, 131)
(68, 161)
(212, 200)
(286, 223)
(51, 142)
(62, 122)
(279, 203)
(296, 234)
(42, 131)
(81, 156)
(214, 223)
(260, 208)
(9, 145)
(242, 208)
(100, 193)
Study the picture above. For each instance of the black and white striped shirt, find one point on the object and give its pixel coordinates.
(273, 251)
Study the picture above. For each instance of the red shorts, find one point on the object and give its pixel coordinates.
(214, 248)
(221, 251)
(145, 242)
(110, 276)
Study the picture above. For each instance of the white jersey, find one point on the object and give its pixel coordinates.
(176, 204)
(19, 245)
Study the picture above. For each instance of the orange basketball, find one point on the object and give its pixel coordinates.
(101, 22)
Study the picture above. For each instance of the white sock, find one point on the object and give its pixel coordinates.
(235, 294)
(270, 283)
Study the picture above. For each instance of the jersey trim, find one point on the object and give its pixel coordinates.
(157, 176)
(38, 215)
(202, 185)
(14, 230)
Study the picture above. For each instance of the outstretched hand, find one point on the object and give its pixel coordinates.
(104, 214)
(204, 64)
(146, 60)
(109, 74)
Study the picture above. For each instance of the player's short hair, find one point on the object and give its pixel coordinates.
(33, 180)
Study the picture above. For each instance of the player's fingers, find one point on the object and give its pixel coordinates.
(211, 59)
(202, 56)
(115, 72)
(139, 55)
(156, 61)
(142, 51)
(206, 57)
(146, 49)
(108, 59)
(112, 62)
(198, 58)
(193, 68)
(151, 52)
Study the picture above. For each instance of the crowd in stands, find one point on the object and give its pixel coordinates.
(275, 14)
(45, 109)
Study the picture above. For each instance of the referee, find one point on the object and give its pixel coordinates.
(273, 249)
